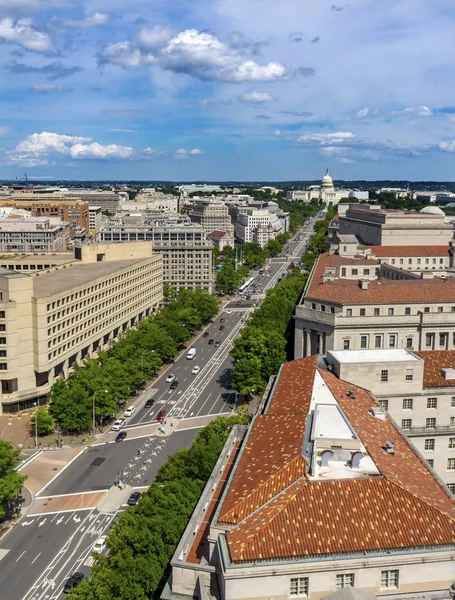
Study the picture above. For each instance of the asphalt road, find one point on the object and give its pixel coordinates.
(39, 555)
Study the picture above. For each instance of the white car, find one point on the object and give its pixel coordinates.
(229, 311)
(100, 544)
(195, 370)
(170, 378)
(129, 412)
(118, 424)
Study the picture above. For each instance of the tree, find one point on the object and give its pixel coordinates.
(42, 422)
(169, 293)
(10, 480)
(274, 247)
(228, 279)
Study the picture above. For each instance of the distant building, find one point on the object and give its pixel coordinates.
(33, 234)
(74, 212)
(95, 215)
(191, 188)
(326, 192)
(221, 239)
(257, 226)
(283, 217)
(211, 214)
(108, 201)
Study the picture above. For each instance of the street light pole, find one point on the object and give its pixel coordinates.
(36, 425)
(3, 432)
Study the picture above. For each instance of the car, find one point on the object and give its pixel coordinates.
(217, 344)
(229, 311)
(248, 297)
(129, 412)
(174, 384)
(121, 436)
(206, 334)
(100, 544)
(239, 302)
(134, 498)
(73, 581)
(221, 320)
(150, 402)
(195, 370)
(160, 416)
(118, 424)
(170, 378)
(270, 270)
(221, 327)
(211, 340)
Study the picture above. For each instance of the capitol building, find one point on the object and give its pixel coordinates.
(325, 192)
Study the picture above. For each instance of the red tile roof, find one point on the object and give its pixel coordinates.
(406, 506)
(219, 234)
(409, 251)
(383, 291)
(435, 361)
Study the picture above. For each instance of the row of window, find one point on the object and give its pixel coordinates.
(408, 403)
(380, 341)
(430, 423)
(390, 311)
(299, 587)
(430, 444)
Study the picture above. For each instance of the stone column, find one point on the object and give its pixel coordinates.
(299, 340)
(308, 342)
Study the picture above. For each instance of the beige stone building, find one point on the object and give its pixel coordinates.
(33, 234)
(211, 214)
(323, 491)
(55, 311)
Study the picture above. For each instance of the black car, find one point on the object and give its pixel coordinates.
(206, 334)
(150, 403)
(121, 436)
(73, 581)
(221, 320)
(174, 384)
(211, 341)
(134, 498)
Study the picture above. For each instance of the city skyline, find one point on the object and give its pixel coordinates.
(226, 90)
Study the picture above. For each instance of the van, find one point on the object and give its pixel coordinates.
(191, 354)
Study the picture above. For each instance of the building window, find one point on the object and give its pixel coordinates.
(428, 339)
(432, 403)
(407, 403)
(430, 462)
(390, 312)
(409, 375)
(440, 309)
(345, 344)
(362, 312)
(313, 306)
(355, 271)
(406, 423)
(389, 580)
(366, 271)
(344, 579)
(452, 402)
(452, 421)
(407, 310)
(392, 341)
(384, 404)
(451, 443)
(376, 312)
(343, 272)
(408, 342)
(299, 587)
(451, 487)
(384, 376)
(429, 444)
(430, 423)
(451, 464)
(332, 310)
(426, 309)
(363, 341)
(377, 341)
(349, 312)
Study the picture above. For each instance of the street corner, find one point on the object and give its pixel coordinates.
(48, 465)
(66, 503)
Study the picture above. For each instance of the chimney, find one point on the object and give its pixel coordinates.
(389, 448)
(363, 284)
(351, 394)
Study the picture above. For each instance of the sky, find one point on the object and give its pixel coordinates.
(227, 89)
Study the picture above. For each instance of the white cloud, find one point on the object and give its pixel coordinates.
(195, 53)
(447, 146)
(277, 132)
(36, 149)
(365, 113)
(4, 131)
(181, 153)
(256, 97)
(51, 89)
(333, 150)
(414, 111)
(345, 161)
(451, 118)
(328, 138)
(23, 33)
(123, 130)
(96, 20)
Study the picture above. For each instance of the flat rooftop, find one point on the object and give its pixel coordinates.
(75, 275)
(59, 258)
(370, 356)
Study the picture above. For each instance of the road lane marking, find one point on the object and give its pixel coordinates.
(19, 557)
(36, 558)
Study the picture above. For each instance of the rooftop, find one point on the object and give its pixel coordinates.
(370, 356)
(434, 362)
(409, 251)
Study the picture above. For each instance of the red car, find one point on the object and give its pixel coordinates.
(221, 327)
(160, 416)
(239, 302)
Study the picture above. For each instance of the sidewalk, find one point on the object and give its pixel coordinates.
(48, 464)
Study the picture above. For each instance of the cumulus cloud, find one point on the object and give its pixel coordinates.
(96, 20)
(51, 89)
(181, 153)
(447, 146)
(24, 34)
(327, 138)
(333, 150)
(256, 97)
(52, 71)
(37, 148)
(414, 111)
(365, 113)
(194, 53)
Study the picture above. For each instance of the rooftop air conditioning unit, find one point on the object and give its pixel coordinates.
(389, 448)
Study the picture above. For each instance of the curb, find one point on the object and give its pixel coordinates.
(28, 460)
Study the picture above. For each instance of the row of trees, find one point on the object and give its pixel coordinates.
(10, 480)
(261, 348)
(108, 380)
(318, 241)
(142, 543)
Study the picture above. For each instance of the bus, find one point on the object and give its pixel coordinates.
(246, 285)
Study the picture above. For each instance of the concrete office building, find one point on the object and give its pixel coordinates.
(323, 491)
(211, 214)
(95, 219)
(32, 234)
(108, 201)
(74, 212)
(51, 320)
(258, 226)
(187, 254)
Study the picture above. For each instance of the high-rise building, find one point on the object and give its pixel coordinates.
(257, 226)
(211, 214)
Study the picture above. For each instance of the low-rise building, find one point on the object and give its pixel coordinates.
(221, 239)
(74, 212)
(323, 491)
(54, 318)
(32, 234)
(109, 201)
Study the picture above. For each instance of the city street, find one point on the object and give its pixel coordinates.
(57, 537)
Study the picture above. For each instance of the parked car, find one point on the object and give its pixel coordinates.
(221, 327)
(170, 378)
(129, 412)
(211, 340)
(121, 436)
(118, 424)
(160, 416)
(239, 302)
(229, 311)
(150, 402)
(100, 544)
(73, 581)
(174, 384)
(206, 334)
(195, 370)
(134, 498)
(217, 344)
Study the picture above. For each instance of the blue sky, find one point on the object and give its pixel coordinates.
(227, 89)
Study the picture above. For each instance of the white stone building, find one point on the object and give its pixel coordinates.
(326, 192)
(258, 226)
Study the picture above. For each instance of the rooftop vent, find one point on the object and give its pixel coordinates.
(363, 284)
(378, 412)
(389, 448)
(448, 373)
(351, 394)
